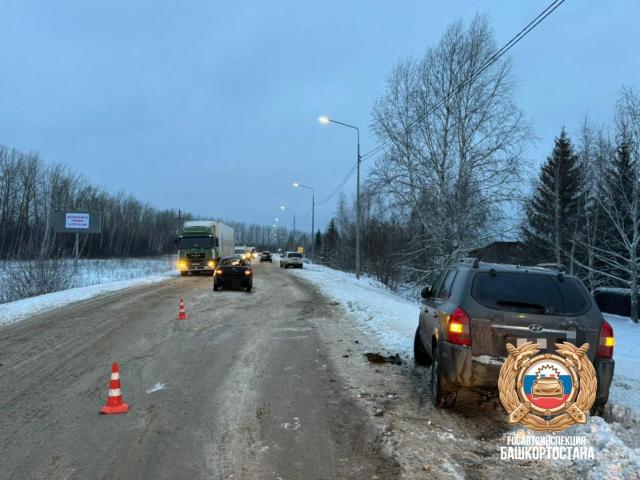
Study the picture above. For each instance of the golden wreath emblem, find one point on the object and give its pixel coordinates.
(547, 392)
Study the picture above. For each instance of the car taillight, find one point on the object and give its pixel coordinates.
(605, 346)
(218, 271)
(458, 330)
(247, 273)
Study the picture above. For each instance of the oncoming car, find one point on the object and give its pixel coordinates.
(476, 308)
(233, 272)
(291, 259)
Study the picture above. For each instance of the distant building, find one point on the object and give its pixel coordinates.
(503, 252)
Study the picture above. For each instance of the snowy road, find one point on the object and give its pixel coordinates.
(271, 384)
(244, 387)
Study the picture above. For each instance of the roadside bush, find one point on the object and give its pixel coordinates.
(28, 278)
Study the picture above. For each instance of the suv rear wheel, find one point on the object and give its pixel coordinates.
(440, 397)
(420, 355)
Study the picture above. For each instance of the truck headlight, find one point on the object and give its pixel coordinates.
(182, 265)
(211, 263)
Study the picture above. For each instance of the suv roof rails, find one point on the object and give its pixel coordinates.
(473, 261)
(552, 266)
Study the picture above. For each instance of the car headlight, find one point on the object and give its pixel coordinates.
(247, 273)
(218, 271)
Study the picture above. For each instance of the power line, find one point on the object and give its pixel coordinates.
(490, 61)
(338, 187)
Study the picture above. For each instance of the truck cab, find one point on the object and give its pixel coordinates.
(201, 244)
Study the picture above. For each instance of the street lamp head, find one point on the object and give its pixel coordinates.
(323, 119)
(283, 207)
(296, 184)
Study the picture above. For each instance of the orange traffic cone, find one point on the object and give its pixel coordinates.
(182, 313)
(115, 404)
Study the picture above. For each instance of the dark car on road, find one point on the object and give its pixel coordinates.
(476, 308)
(233, 272)
(266, 257)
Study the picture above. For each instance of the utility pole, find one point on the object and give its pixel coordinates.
(358, 266)
(326, 120)
(313, 214)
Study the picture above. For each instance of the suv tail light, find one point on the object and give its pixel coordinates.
(605, 346)
(458, 330)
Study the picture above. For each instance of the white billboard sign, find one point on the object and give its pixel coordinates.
(76, 220)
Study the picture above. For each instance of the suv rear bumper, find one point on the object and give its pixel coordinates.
(604, 371)
(461, 370)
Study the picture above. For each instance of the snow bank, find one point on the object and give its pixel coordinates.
(626, 380)
(20, 309)
(391, 318)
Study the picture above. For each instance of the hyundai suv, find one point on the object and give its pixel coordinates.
(476, 308)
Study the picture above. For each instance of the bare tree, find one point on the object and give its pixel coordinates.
(621, 200)
(456, 140)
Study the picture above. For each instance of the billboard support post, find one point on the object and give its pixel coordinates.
(77, 222)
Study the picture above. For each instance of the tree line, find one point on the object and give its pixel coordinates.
(454, 177)
(32, 190)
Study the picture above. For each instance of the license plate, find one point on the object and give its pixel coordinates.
(542, 342)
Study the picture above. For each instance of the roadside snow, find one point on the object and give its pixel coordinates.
(20, 309)
(391, 318)
(626, 379)
(86, 272)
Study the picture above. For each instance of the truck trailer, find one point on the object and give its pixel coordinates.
(201, 244)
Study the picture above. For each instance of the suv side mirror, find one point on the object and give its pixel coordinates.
(426, 292)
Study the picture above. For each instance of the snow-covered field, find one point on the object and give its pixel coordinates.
(92, 278)
(393, 321)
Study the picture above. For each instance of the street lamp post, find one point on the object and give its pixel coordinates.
(326, 120)
(283, 207)
(313, 215)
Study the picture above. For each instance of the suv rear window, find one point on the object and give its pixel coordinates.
(531, 293)
(296, 255)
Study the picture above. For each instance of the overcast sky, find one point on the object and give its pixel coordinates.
(212, 106)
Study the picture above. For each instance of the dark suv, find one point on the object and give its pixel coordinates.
(475, 309)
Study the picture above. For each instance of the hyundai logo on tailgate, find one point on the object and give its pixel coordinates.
(534, 327)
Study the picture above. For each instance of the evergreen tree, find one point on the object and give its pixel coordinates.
(620, 175)
(330, 244)
(318, 242)
(552, 213)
